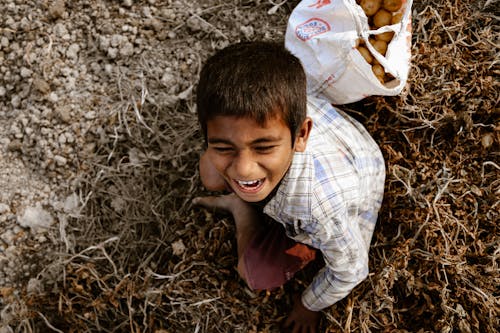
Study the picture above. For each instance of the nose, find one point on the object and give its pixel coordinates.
(243, 165)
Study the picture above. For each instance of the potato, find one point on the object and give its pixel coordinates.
(379, 45)
(381, 18)
(392, 5)
(370, 7)
(379, 72)
(388, 77)
(397, 18)
(385, 36)
(366, 54)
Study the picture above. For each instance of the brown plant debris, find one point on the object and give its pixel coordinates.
(139, 258)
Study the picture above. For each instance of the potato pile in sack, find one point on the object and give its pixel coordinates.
(352, 49)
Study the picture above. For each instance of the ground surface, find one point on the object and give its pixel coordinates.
(98, 152)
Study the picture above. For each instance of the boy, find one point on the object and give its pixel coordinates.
(290, 161)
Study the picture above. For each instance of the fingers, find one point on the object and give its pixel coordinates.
(294, 327)
(288, 323)
(215, 202)
(207, 202)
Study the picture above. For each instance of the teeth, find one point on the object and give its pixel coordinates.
(248, 183)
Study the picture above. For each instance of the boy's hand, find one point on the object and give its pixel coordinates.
(224, 202)
(301, 319)
(229, 202)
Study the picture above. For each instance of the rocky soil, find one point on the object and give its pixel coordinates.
(72, 73)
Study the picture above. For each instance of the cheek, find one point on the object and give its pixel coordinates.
(279, 164)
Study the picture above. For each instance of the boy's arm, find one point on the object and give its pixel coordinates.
(346, 265)
(210, 177)
(246, 218)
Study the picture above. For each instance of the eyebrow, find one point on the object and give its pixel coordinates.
(266, 139)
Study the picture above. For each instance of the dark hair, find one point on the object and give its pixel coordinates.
(259, 80)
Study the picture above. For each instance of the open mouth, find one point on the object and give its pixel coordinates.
(249, 185)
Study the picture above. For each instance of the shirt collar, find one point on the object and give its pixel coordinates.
(282, 205)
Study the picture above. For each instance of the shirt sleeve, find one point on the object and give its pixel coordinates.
(346, 264)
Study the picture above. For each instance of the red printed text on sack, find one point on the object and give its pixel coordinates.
(320, 3)
(310, 28)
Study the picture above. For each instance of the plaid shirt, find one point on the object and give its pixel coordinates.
(329, 199)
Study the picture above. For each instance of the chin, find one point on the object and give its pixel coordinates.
(254, 197)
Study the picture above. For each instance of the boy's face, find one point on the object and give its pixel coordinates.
(252, 158)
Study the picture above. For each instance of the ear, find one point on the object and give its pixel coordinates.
(303, 135)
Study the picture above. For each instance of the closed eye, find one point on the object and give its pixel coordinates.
(264, 149)
(223, 149)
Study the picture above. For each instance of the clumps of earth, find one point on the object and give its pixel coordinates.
(72, 73)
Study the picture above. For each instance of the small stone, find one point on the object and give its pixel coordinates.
(53, 97)
(60, 160)
(127, 49)
(4, 42)
(57, 9)
(71, 83)
(25, 72)
(10, 22)
(69, 137)
(72, 203)
(127, 3)
(15, 146)
(108, 68)
(487, 140)
(4, 208)
(36, 218)
(8, 237)
(62, 139)
(72, 51)
(60, 30)
(64, 114)
(146, 11)
(89, 148)
(34, 286)
(116, 40)
(178, 247)
(103, 43)
(193, 23)
(118, 204)
(15, 101)
(66, 71)
(41, 238)
(3, 91)
(156, 24)
(168, 13)
(95, 67)
(90, 115)
(248, 31)
(41, 85)
(168, 79)
(28, 131)
(112, 52)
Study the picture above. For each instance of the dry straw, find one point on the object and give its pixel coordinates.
(141, 259)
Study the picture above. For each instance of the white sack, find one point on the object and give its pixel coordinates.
(323, 34)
